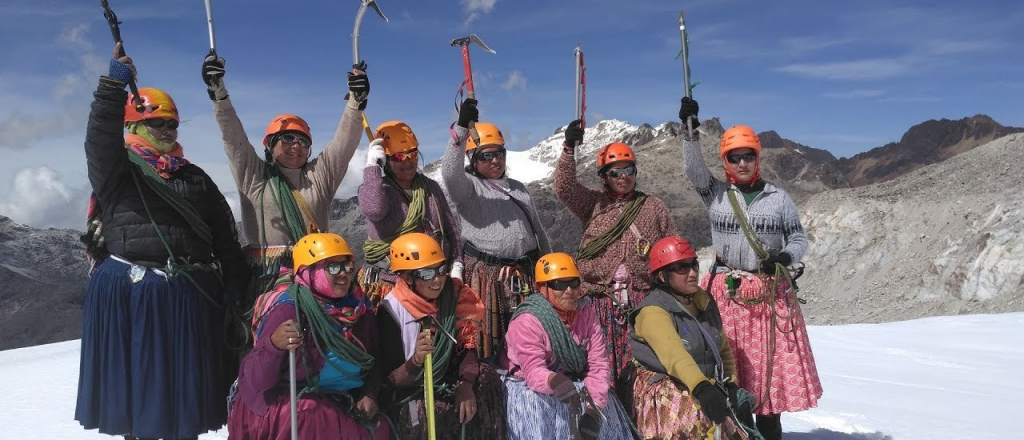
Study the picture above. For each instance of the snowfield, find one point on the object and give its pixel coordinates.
(959, 377)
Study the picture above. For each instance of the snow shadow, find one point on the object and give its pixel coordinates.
(824, 434)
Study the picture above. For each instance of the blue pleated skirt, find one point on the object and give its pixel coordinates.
(153, 355)
(532, 415)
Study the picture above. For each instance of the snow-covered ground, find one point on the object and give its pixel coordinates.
(958, 377)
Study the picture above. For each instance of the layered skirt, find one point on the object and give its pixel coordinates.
(533, 415)
(153, 355)
(319, 418)
(666, 411)
(769, 340)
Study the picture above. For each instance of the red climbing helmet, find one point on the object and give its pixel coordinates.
(669, 250)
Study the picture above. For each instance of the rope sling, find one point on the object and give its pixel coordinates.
(571, 355)
(377, 250)
(625, 218)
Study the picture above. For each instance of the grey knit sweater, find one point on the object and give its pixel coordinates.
(772, 215)
(491, 221)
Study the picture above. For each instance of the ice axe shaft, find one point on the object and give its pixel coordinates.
(209, 26)
(686, 66)
(576, 103)
(115, 31)
(467, 68)
(292, 384)
(364, 4)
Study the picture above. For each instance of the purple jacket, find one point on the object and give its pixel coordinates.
(385, 206)
(264, 371)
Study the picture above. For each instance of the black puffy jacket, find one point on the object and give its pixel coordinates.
(127, 229)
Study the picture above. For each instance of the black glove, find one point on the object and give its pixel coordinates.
(689, 108)
(768, 266)
(468, 112)
(744, 412)
(712, 401)
(213, 76)
(574, 134)
(93, 241)
(565, 390)
(590, 420)
(358, 85)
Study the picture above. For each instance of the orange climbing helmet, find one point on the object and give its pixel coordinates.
(489, 135)
(615, 152)
(156, 104)
(317, 247)
(397, 136)
(555, 266)
(414, 250)
(669, 250)
(739, 136)
(286, 123)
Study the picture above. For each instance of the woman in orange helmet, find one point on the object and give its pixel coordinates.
(397, 199)
(757, 235)
(499, 223)
(620, 223)
(335, 352)
(152, 322)
(429, 312)
(285, 194)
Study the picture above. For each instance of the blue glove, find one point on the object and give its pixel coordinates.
(120, 71)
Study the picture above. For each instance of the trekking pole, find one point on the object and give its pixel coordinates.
(686, 67)
(428, 391)
(293, 393)
(364, 4)
(115, 31)
(209, 26)
(467, 69)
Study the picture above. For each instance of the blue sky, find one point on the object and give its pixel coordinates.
(844, 76)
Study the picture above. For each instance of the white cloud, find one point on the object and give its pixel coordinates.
(859, 70)
(812, 43)
(516, 81)
(856, 94)
(39, 198)
(475, 8)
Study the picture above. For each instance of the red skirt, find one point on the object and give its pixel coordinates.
(769, 341)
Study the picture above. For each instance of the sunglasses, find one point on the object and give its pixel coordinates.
(336, 267)
(428, 274)
(402, 157)
(292, 138)
(491, 155)
(561, 285)
(616, 173)
(683, 268)
(736, 158)
(161, 123)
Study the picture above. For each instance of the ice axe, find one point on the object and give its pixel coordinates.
(364, 4)
(686, 66)
(292, 384)
(467, 68)
(428, 322)
(115, 31)
(209, 27)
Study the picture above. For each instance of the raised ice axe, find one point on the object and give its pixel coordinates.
(364, 4)
(467, 68)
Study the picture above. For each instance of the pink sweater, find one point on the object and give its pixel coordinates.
(530, 354)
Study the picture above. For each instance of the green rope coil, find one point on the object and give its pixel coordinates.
(572, 355)
(601, 242)
(325, 335)
(376, 250)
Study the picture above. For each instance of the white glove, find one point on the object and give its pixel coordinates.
(457, 270)
(375, 155)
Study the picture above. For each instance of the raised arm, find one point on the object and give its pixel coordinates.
(104, 138)
(373, 194)
(332, 164)
(456, 182)
(578, 198)
(246, 166)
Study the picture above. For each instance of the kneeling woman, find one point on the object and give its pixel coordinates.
(337, 386)
(429, 313)
(558, 364)
(686, 375)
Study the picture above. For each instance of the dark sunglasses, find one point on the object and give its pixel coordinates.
(491, 155)
(161, 123)
(560, 285)
(292, 138)
(736, 158)
(336, 267)
(683, 268)
(615, 173)
(428, 274)
(402, 157)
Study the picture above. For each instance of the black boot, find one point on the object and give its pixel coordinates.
(770, 426)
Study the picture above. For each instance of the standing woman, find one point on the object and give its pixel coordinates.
(396, 199)
(428, 312)
(152, 322)
(285, 195)
(557, 363)
(620, 223)
(503, 233)
(334, 353)
(685, 384)
(756, 233)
